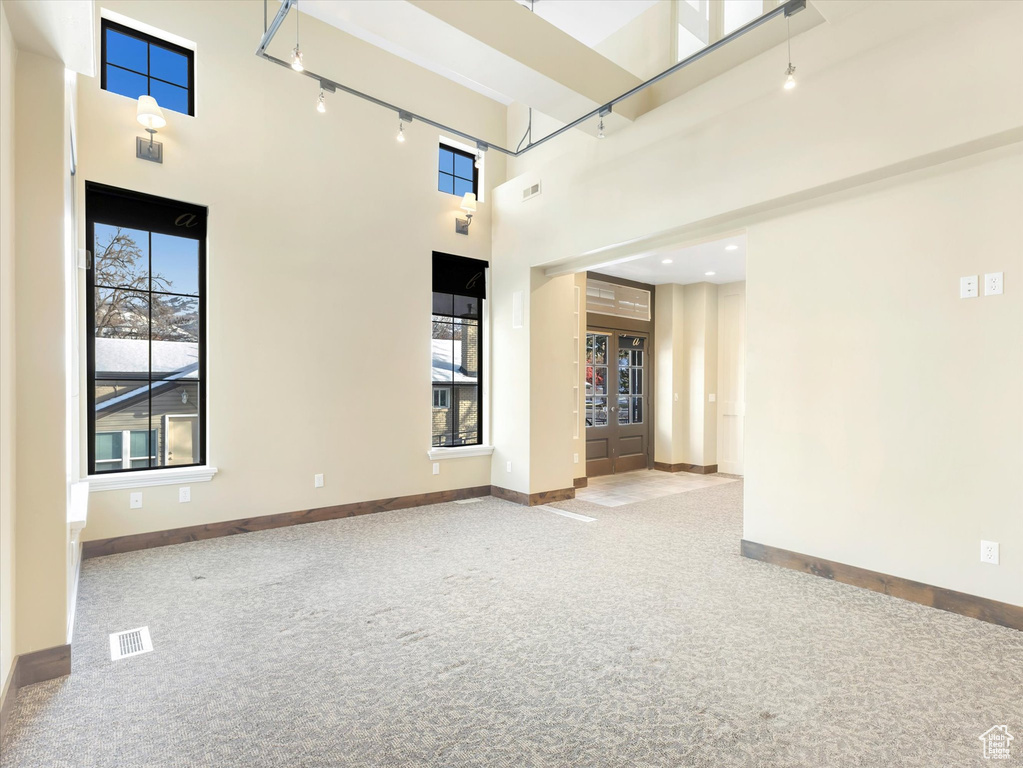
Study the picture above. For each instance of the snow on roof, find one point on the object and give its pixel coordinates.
(114, 356)
(446, 352)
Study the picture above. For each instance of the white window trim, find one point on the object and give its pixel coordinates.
(149, 477)
(459, 452)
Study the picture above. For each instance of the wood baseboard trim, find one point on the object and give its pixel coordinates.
(581, 482)
(710, 469)
(131, 543)
(532, 499)
(982, 608)
(28, 669)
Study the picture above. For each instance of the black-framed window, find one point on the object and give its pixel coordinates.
(146, 326)
(457, 172)
(136, 64)
(459, 289)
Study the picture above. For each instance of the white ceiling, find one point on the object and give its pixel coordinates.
(589, 21)
(688, 265)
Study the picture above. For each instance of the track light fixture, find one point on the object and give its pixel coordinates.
(480, 149)
(790, 73)
(296, 54)
(320, 106)
(600, 125)
(403, 117)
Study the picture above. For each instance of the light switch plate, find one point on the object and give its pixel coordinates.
(317, 481)
(992, 284)
(575, 458)
(968, 287)
(436, 467)
(712, 398)
(135, 500)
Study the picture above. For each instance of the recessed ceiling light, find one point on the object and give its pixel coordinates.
(731, 247)
(666, 261)
(710, 274)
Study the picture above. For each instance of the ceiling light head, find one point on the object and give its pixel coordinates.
(790, 77)
(731, 247)
(321, 107)
(710, 274)
(296, 59)
(665, 261)
(401, 132)
(600, 129)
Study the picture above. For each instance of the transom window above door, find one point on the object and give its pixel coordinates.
(136, 64)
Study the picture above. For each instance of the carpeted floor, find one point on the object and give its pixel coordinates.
(489, 634)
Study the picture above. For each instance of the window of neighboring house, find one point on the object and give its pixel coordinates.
(136, 64)
(459, 289)
(457, 172)
(441, 397)
(146, 322)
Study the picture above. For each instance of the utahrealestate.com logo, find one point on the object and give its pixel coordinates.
(997, 743)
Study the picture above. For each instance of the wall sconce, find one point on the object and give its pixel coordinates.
(150, 116)
(469, 206)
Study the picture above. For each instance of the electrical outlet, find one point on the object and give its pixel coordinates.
(676, 397)
(992, 284)
(968, 287)
(712, 398)
(575, 458)
(509, 466)
(135, 500)
(184, 495)
(436, 467)
(317, 481)
(989, 552)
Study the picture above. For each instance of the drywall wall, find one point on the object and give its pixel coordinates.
(321, 230)
(700, 340)
(41, 177)
(644, 45)
(670, 414)
(8, 411)
(884, 422)
(731, 383)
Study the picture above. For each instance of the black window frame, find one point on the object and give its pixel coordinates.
(186, 216)
(475, 170)
(150, 40)
(461, 276)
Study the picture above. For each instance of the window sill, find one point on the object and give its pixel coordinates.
(460, 452)
(146, 478)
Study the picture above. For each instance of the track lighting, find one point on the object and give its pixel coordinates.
(403, 117)
(790, 73)
(296, 54)
(600, 129)
(320, 106)
(602, 112)
(480, 149)
(479, 158)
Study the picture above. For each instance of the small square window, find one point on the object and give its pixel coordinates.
(441, 398)
(457, 172)
(136, 64)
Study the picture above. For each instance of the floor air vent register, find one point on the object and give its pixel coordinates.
(131, 642)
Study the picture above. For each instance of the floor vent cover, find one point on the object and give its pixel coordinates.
(467, 501)
(131, 642)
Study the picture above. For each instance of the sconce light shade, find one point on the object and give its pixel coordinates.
(469, 202)
(149, 113)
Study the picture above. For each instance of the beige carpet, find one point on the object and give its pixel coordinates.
(489, 634)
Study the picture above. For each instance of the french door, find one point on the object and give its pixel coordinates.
(617, 402)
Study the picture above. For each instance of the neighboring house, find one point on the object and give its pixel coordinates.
(140, 423)
(455, 373)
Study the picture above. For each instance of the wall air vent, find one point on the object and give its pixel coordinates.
(531, 191)
(131, 642)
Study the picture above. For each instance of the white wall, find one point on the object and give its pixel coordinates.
(8, 411)
(740, 152)
(885, 415)
(321, 230)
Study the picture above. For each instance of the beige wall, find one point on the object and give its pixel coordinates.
(671, 411)
(41, 176)
(644, 45)
(910, 487)
(319, 257)
(884, 422)
(8, 424)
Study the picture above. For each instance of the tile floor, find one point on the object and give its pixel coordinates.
(644, 484)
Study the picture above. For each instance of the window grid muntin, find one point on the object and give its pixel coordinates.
(453, 173)
(149, 381)
(150, 41)
(455, 436)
